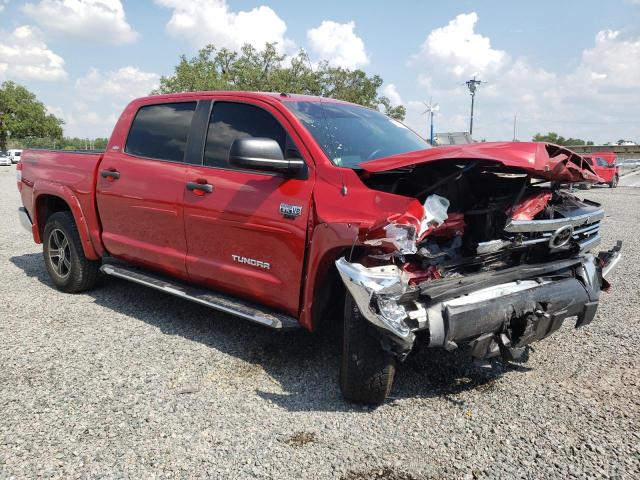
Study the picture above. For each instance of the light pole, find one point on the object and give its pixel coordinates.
(473, 86)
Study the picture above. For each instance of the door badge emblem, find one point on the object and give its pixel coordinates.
(290, 211)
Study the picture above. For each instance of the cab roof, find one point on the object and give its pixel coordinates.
(281, 97)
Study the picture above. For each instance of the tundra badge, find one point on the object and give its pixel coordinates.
(251, 261)
(290, 211)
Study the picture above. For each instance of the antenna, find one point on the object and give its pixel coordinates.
(432, 108)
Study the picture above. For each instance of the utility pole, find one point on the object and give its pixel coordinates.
(515, 118)
(473, 86)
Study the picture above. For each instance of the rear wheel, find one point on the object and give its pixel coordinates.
(614, 182)
(69, 269)
(366, 371)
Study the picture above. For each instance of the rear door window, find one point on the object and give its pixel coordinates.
(230, 121)
(161, 131)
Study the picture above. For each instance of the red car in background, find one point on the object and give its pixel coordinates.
(604, 164)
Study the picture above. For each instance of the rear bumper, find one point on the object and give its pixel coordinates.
(496, 313)
(25, 219)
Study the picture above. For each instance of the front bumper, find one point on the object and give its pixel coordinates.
(495, 313)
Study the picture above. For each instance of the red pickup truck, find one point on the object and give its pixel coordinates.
(278, 208)
(604, 165)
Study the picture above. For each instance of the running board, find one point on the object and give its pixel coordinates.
(217, 301)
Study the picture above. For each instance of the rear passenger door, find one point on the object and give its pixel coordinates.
(140, 189)
(239, 239)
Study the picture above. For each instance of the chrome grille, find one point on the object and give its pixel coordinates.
(584, 220)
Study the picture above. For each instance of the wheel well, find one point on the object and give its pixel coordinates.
(330, 292)
(46, 206)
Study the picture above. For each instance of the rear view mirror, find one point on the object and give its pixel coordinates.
(264, 154)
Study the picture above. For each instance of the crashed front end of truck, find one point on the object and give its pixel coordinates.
(491, 255)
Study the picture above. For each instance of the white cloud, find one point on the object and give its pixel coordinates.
(24, 55)
(592, 100)
(119, 86)
(100, 97)
(103, 21)
(391, 92)
(460, 49)
(211, 21)
(612, 61)
(338, 44)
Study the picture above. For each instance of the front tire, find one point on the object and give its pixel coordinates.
(69, 269)
(614, 182)
(366, 370)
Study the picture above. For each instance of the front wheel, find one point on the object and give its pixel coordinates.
(614, 182)
(69, 269)
(366, 371)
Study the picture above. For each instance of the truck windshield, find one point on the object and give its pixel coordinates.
(350, 135)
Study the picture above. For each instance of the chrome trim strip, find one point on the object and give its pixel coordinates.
(590, 243)
(533, 241)
(611, 265)
(588, 229)
(517, 226)
(25, 220)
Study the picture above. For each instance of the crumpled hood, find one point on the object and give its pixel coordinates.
(541, 160)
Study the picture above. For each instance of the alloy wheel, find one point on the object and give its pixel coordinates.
(59, 253)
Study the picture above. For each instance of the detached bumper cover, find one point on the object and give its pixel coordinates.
(495, 313)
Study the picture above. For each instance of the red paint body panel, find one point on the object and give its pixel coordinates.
(541, 160)
(528, 208)
(142, 212)
(70, 177)
(148, 217)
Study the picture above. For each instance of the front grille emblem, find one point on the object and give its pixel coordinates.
(561, 236)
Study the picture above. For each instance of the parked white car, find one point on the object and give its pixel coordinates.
(4, 159)
(14, 155)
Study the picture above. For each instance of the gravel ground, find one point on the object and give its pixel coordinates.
(127, 382)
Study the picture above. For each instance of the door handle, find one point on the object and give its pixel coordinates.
(197, 187)
(110, 175)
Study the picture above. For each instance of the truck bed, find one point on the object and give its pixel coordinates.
(74, 173)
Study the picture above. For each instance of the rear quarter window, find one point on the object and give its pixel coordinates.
(161, 131)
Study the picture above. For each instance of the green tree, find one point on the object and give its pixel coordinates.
(267, 71)
(22, 115)
(64, 143)
(556, 139)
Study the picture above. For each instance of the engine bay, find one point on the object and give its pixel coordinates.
(476, 216)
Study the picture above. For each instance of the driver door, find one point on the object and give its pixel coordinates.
(239, 239)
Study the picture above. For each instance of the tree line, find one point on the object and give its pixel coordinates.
(25, 122)
(266, 70)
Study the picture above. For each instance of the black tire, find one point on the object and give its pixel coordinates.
(69, 270)
(366, 370)
(614, 182)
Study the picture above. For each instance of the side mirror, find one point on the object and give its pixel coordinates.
(264, 154)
